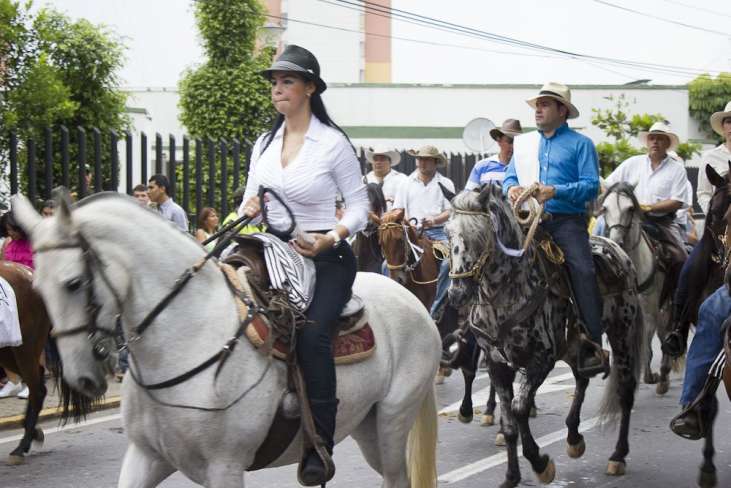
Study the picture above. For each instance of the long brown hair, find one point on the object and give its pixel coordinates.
(203, 216)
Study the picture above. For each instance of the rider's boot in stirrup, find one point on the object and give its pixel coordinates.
(318, 467)
(592, 359)
(675, 342)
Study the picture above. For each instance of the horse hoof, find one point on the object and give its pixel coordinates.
(616, 468)
(533, 412)
(16, 460)
(577, 450)
(39, 436)
(707, 479)
(439, 380)
(652, 378)
(548, 474)
(464, 418)
(500, 440)
(488, 420)
(662, 387)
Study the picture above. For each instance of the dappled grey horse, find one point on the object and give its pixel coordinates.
(517, 315)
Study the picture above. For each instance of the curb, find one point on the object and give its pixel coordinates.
(15, 421)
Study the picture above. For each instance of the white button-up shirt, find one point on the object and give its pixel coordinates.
(667, 182)
(422, 201)
(718, 158)
(391, 184)
(324, 165)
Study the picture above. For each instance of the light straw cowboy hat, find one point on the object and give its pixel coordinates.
(660, 128)
(429, 151)
(511, 127)
(559, 92)
(391, 154)
(717, 119)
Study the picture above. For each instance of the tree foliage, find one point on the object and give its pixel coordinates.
(707, 95)
(226, 97)
(57, 72)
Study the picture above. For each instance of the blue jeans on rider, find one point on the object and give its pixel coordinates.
(570, 233)
(707, 343)
(438, 234)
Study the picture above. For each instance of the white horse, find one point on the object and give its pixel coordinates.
(125, 259)
(622, 215)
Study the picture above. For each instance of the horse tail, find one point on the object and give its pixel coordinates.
(74, 405)
(422, 444)
(619, 391)
(678, 364)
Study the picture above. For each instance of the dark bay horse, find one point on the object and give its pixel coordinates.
(706, 270)
(526, 324)
(25, 359)
(366, 248)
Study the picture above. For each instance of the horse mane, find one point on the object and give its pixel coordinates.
(489, 199)
(376, 198)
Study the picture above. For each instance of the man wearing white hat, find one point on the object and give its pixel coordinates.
(565, 165)
(660, 181)
(383, 160)
(492, 168)
(717, 157)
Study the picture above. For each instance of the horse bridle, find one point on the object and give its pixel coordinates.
(408, 251)
(475, 271)
(630, 216)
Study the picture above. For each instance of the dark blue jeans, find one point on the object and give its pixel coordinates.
(707, 342)
(571, 235)
(335, 273)
(682, 291)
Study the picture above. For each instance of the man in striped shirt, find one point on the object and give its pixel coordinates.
(493, 167)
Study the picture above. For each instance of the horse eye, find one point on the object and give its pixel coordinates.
(73, 284)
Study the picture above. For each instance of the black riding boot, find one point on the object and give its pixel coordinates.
(675, 342)
(314, 471)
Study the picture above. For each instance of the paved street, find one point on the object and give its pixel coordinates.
(90, 455)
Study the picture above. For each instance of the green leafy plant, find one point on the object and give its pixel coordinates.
(226, 97)
(707, 95)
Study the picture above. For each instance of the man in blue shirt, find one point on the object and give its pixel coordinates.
(565, 165)
(492, 168)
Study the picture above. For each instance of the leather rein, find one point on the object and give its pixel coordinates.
(410, 250)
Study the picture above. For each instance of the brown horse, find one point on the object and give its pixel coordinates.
(366, 247)
(409, 256)
(25, 359)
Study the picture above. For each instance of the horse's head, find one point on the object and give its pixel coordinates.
(80, 301)
(393, 235)
(720, 200)
(472, 230)
(622, 213)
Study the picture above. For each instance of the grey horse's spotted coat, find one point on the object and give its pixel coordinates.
(530, 338)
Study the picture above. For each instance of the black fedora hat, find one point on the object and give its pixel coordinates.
(298, 60)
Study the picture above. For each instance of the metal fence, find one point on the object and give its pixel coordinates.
(203, 172)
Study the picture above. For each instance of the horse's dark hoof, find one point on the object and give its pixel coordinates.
(465, 419)
(662, 387)
(16, 459)
(577, 450)
(707, 479)
(39, 436)
(548, 474)
(651, 378)
(616, 468)
(510, 483)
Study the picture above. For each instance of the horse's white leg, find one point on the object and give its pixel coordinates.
(393, 422)
(142, 470)
(222, 474)
(366, 436)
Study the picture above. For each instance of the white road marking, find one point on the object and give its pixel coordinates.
(497, 459)
(481, 396)
(559, 364)
(69, 426)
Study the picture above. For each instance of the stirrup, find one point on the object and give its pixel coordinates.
(679, 424)
(673, 344)
(602, 365)
(325, 459)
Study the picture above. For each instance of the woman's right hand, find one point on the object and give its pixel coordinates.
(252, 207)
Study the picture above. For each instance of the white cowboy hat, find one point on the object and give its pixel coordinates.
(559, 92)
(660, 128)
(717, 119)
(391, 154)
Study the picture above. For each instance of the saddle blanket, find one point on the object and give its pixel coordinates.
(10, 335)
(348, 348)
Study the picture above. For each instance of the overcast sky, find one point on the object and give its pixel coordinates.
(162, 39)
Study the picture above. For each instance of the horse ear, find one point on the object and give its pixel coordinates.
(398, 214)
(25, 214)
(63, 204)
(713, 176)
(484, 196)
(448, 194)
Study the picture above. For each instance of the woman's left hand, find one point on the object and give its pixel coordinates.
(321, 243)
